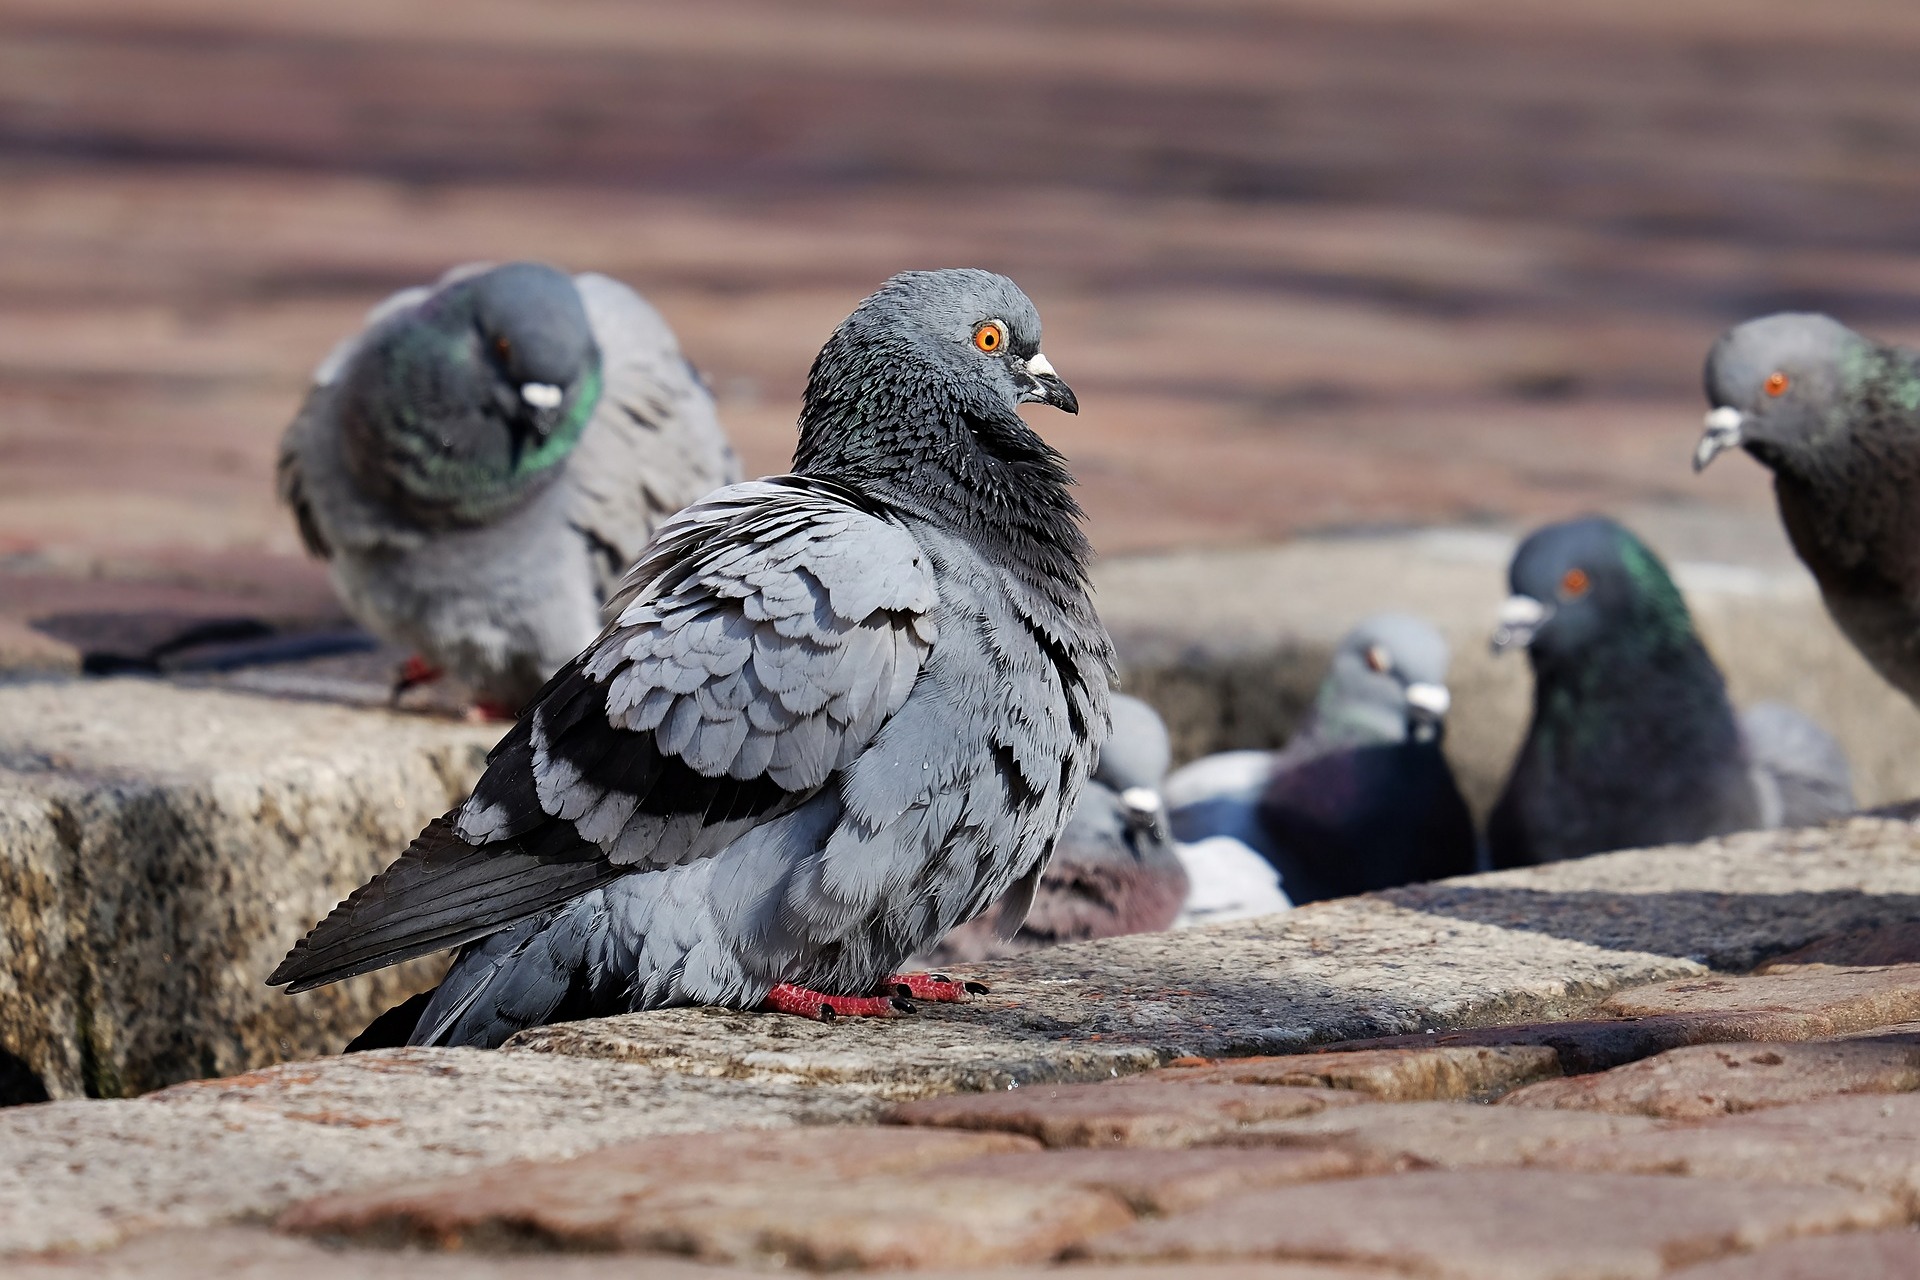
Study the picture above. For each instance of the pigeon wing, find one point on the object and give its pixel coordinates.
(653, 445)
(759, 646)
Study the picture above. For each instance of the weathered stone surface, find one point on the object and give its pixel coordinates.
(168, 845)
(1709, 1080)
(896, 1220)
(1893, 944)
(1502, 1224)
(27, 652)
(1888, 1116)
(1390, 1075)
(1885, 1167)
(255, 1253)
(86, 1174)
(1162, 1182)
(1860, 1255)
(587, 1202)
(1548, 942)
(1805, 1000)
(1584, 1045)
(1447, 1135)
(1130, 1113)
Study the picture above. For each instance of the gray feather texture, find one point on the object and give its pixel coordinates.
(836, 713)
(482, 461)
(1114, 870)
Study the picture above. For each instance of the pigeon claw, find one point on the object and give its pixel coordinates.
(806, 1003)
(933, 986)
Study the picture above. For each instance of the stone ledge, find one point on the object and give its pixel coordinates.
(161, 848)
(1519, 946)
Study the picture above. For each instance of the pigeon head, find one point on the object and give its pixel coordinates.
(458, 409)
(1388, 683)
(1587, 586)
(1778, 386)
(1137, 753)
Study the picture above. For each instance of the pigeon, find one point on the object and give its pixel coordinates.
(1633, 740)
(1361, 797)
(1836, 417)
(480, 464)
(836, 713)
(1115, 870)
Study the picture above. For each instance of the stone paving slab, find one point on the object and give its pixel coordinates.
(1444, 1135)
(1508, 947)
(1502, 1224)
(1891, 944)
(160, 849)
(1147, 1112)
(87, 1174)
(1416, 1074)
(1710, 1080)
(1882, 1167)
(1865, 1255)
(1806, 1000)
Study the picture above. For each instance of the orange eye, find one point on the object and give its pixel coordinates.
(502, 348)
(1777, 384)
(1378, 659)
(990, 337)
(1574, 584)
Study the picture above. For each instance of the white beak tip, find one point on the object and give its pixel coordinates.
(542, 395)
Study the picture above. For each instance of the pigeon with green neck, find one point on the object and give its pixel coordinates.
(483, 460)
(1633, 740)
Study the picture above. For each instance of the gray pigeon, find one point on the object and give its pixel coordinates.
(1114, 870)
(1633, 741)
(480, 464)
(1836, 417)
(837, 713)
(1361, 797)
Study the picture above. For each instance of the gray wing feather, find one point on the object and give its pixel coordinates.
(654, 443)
(741, 666)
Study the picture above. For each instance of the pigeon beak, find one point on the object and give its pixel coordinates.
(1047, 387)
(1521, 617)
(541, 395)
(1723, 431)
(1427, 706)
(1144, 809)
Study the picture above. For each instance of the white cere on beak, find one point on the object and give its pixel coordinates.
(542, 395)
(1430, 698)
(1519, 618)
(1722, 430)
(1040, 365)
(1141, 802)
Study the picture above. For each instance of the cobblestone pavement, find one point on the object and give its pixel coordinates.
(1762, 1124)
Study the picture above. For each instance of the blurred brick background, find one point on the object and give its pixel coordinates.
(1310, 264)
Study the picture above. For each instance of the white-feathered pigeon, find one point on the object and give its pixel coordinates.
(1114, 870)
(1836, 417)
(1633, 741)
(482, 461)
(1361, 797)
(838, 712)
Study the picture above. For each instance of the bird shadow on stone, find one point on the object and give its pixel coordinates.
(1727, 930)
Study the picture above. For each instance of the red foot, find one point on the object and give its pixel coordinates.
(788, 998)
(415, 670)
(933, 986)
(488, 710)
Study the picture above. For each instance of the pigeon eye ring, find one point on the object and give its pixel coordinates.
(1777, 383)
(1574, 583)
(990, 337)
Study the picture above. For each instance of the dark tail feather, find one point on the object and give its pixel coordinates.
(443, 892)
(391, 1029)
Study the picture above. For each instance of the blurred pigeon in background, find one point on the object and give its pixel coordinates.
(838, 712)
(1633, 741)
(481, 462)
(1836, 417)
(1361, 797)
(1114, 870)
